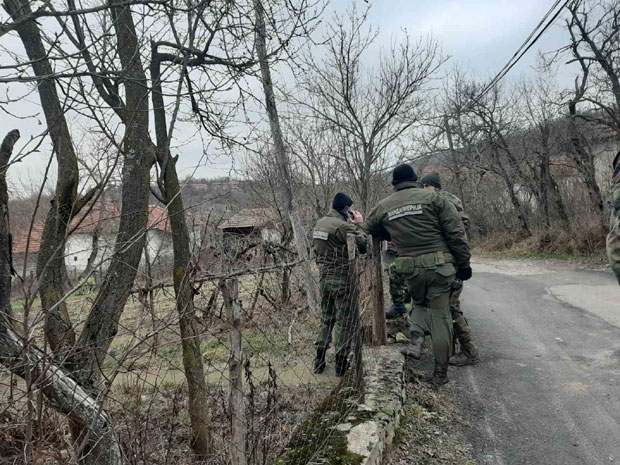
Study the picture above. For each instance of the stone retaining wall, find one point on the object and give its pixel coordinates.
(351, 429)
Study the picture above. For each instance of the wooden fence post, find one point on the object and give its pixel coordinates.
(236, 401)
(355, 289)
(378, 322)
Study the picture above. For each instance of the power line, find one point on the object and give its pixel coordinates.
(527, 44)
(524, 48)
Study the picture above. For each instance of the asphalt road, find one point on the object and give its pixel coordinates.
(547, 388)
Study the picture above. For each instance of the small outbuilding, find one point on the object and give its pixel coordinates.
(251, 224)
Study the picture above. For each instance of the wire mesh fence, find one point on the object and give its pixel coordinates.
(258, 343)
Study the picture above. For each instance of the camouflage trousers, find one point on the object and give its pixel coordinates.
(339, 310)
(462, 331)
(399, 292)
(430, 288)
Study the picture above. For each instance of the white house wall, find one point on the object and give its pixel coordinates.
(79, 248)
(159, 246)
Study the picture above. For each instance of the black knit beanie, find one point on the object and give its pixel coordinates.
(403, 173)
(340, 201)
(432, 179)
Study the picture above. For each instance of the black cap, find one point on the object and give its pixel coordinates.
(403, 173)
(341, 201)
(432, 179)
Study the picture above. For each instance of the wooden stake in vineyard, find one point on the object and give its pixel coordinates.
(236, 401)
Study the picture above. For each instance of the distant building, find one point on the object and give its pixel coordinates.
(96, 228)
(251, 224)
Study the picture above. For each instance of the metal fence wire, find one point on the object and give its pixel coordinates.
(258, 340)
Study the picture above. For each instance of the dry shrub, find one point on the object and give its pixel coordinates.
(583, 239)
(498, 241)
(49, 437)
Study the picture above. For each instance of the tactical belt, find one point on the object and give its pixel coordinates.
(432, 259)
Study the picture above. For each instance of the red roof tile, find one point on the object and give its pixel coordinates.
(20, 240)
(86, 224)
(248, 218)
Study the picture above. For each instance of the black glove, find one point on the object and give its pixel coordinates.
(464, 273)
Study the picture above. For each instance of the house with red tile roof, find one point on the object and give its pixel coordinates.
(92, 235)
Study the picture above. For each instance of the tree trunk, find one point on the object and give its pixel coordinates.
(182, 277)
(190, 342)
(58, 327)
(301, 239)
(6, 265)
(63, 393)
(453, 156)
(558, 201)
(514, 198)
(285, 285)
(544, 189)
(138, 155)
(584, 160)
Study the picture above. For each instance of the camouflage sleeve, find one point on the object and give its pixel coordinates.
(454, 234)
(458, 204)
(466, 221)
(613, 238)
(374, 224)
(355, 231)
(455, 201)
(360, 239)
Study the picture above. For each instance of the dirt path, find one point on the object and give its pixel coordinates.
(547, 390)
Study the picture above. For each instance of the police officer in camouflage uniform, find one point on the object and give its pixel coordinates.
(433, 249)
(468, 354)
(339, 293)
(613, 238)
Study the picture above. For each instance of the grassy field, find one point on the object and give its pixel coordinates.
(144, 374)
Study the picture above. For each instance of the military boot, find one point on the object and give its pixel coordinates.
(396, 311)
(319, 361)
(440, 376)
(467, 356)
(342, 365)
(414, 349)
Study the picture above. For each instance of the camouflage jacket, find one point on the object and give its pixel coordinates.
(329, 240)
(419, 221)
(454, 200)
(613, 238)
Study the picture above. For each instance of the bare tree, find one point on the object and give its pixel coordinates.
(320, 173)
(594, 27)
(540, 140)
(282, 157)
(368, 111)
(65, 204)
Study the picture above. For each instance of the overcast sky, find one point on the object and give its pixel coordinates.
(480, 35)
